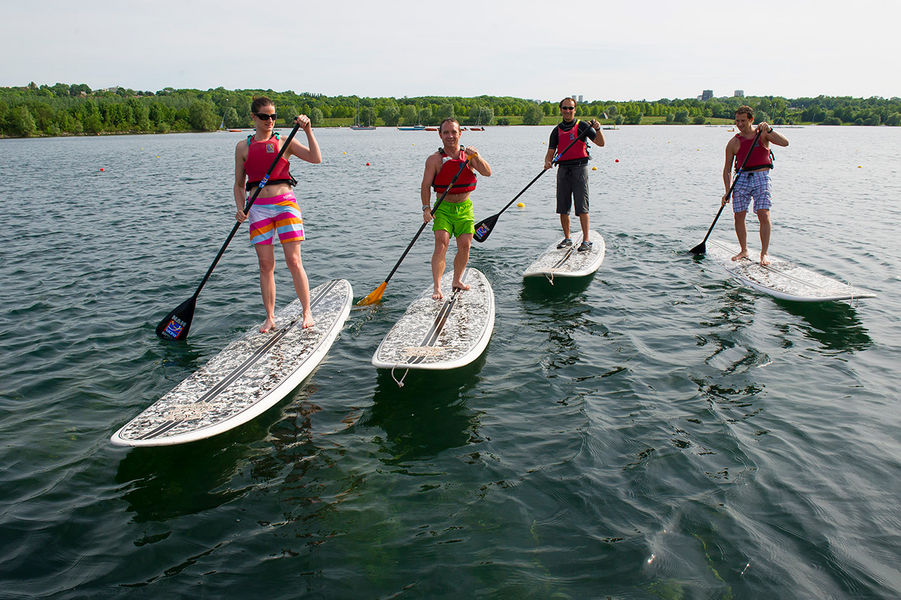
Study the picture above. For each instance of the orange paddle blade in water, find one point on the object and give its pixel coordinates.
(374, 296)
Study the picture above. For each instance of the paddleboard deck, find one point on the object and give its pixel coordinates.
(569, 262)
(247, 377)
(781, 278)
(441, 334)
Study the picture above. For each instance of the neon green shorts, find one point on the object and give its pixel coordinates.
(456, 218)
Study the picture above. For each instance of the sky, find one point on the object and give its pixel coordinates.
(644, 49)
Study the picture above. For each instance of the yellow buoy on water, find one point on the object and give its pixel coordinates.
(519, 205)
(594, 168)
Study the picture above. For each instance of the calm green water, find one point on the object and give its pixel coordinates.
(654, 431)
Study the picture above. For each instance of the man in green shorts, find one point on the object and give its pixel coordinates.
(454, 216)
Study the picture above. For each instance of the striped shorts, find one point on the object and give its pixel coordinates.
(279, 214)
(752, 184)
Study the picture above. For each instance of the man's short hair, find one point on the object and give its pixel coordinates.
(448, 120)
(744, 109)
(573, 100)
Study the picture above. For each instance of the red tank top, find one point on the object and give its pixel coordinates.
(760, 156)
(259, 158)
(466, 182)
(564, 138)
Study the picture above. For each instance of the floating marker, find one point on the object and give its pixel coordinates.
(858, 166)
(101, 169)
(594, 168)
(367, 164)
(617, 160)
(519, 204)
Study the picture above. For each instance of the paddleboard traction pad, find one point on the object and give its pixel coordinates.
(247, 377)
(569, 262)
(781, 278)
(441, 334)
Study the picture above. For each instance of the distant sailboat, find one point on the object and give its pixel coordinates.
(356, 126)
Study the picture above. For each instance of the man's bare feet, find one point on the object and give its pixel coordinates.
(437, 295)
(460, 286)
(764, 259)
(307, 321)
(267, 325)
(741, 255)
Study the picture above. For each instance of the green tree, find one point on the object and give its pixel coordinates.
(532, 115)
(202, 116)
(20, 122)
(391, 115)
(316, 118)
(409, 114)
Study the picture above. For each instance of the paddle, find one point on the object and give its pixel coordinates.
(702, 247)
(486, 226)
(376, 294)
(176, 324)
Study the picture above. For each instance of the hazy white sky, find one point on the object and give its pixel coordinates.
(645, 49)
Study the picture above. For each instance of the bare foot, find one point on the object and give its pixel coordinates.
(267, 325)
(461, 286)
(307, 321)
(764, 259)
(437, 295)
(741, 255)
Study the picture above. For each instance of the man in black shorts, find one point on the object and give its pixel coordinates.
(572, 172)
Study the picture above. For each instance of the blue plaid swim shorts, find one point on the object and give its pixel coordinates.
(752, 185)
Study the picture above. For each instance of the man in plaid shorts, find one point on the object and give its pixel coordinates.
(753, 180)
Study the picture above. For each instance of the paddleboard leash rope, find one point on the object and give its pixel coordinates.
(399, 382)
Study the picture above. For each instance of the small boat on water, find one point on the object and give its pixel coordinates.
(356, 126)
(412, 128)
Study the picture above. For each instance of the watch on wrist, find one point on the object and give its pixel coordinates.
(425, 207)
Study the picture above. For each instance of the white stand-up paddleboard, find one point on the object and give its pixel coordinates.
(247, 378)
(782, 279)
(569, 262)
(441, 334)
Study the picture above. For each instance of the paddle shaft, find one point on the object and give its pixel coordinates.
(703, 244)
(494, 217)
(250, 201)
(422, 227)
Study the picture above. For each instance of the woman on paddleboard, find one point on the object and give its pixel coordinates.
(275, 210)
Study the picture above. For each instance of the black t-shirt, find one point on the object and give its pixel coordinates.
(554, 140)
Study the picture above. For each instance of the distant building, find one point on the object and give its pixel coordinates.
(706, 94)
(739, 93)
(580, 98)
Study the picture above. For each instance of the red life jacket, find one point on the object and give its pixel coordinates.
(760, 156)
(466, 182)
(259, 158)
(578, 150)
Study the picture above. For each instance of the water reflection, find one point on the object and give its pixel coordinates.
(173, 481)
(427, 415)
(835, 325)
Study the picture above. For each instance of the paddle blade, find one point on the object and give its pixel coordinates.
(176, 324)
(699, 249)
(484, 228)
(374, 296)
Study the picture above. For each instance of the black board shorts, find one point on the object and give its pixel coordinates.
(572, 186)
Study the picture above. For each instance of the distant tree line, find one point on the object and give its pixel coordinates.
(76, 109)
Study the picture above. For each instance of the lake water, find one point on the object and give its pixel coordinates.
(654, 431)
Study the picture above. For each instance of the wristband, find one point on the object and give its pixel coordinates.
(425, 207)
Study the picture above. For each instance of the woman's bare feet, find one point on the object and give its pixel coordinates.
(267, 325)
